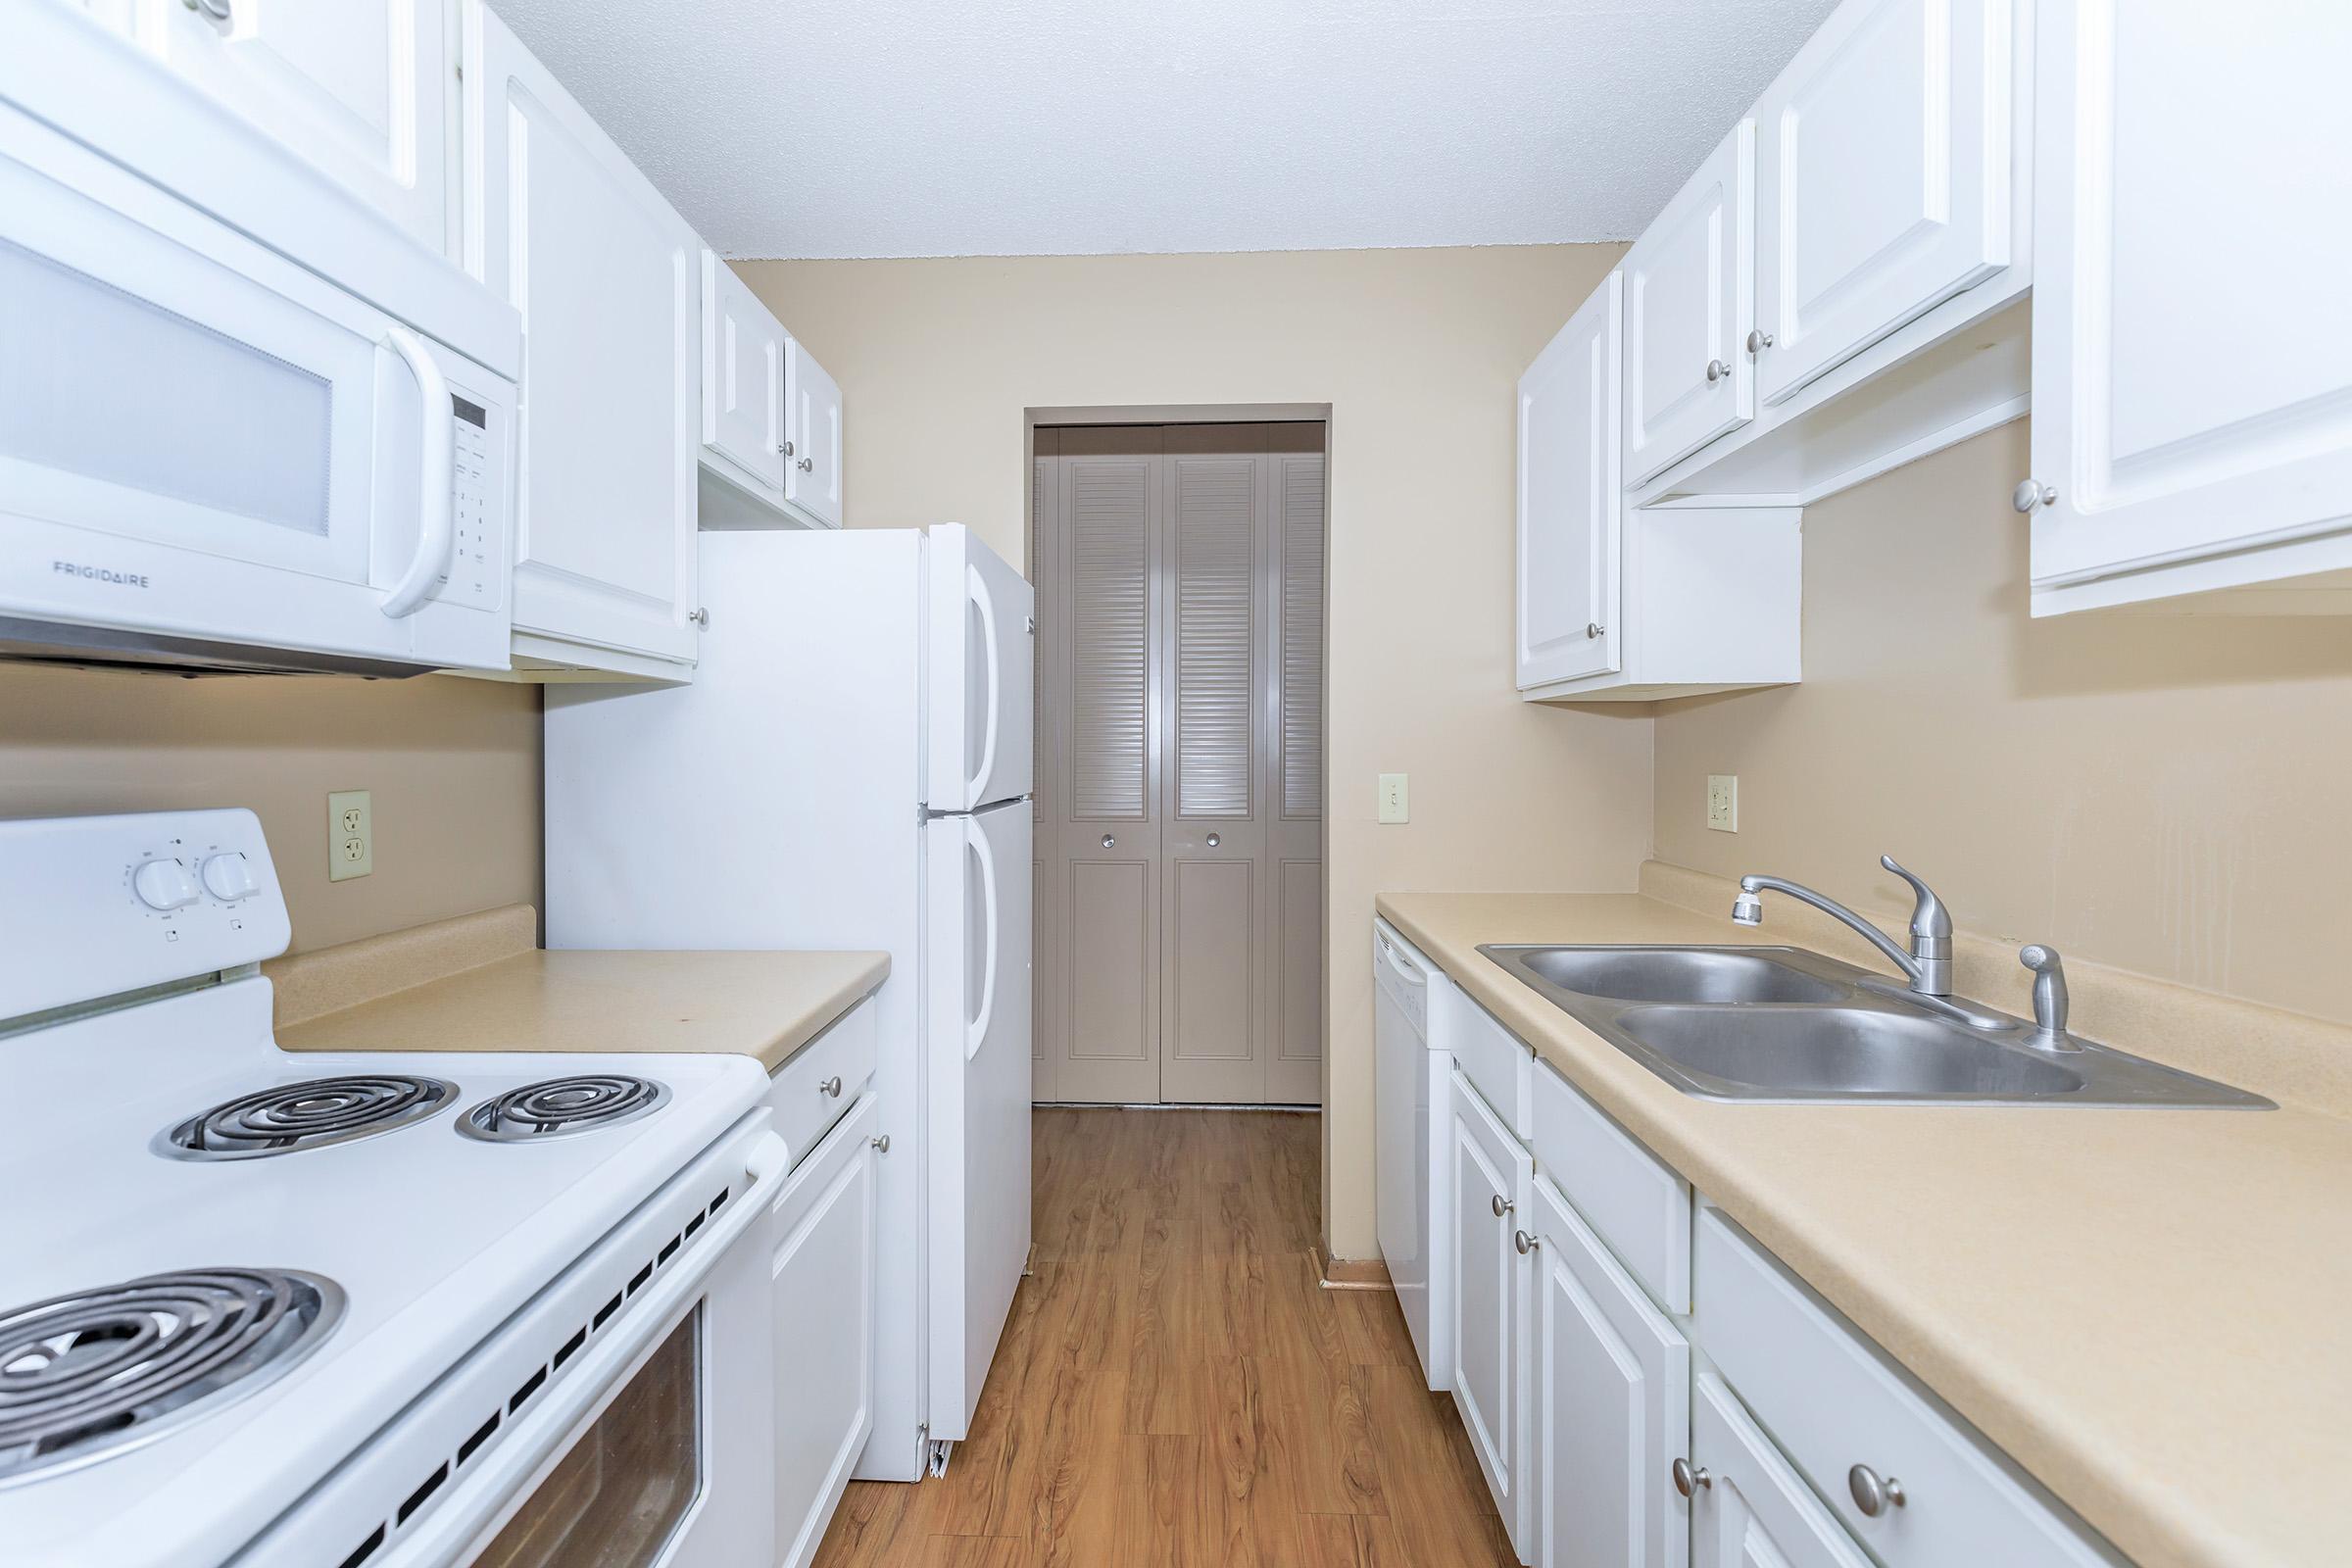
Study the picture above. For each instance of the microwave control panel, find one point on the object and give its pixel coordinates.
(477, 574)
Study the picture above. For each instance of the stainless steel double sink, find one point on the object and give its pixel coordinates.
(1777, 1023)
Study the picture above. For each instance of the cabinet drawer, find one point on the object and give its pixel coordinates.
(1833, 1402)
(1641, 1209)
(803, 1093)
(1489, 1056)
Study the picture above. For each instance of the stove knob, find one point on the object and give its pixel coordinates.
(162, 884)
(230, 877)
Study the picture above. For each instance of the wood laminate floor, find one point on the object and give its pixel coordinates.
(1175, 1388)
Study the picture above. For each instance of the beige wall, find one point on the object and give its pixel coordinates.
(2162, 793)
(1417, 354)
(453, 766)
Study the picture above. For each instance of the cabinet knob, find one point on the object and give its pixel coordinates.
(217, 10)
(1689, 1478)
(2032, 493)
(1593, 628)
(1215, 840)
(808, 464)
(1501, 1206)
(788, 449)
(700, 617)
(882, 1144)
(830, 1086)
(1759, 340)
(1110, 841)
(1717, 370)
(1874, 1494)
(1525, 1243)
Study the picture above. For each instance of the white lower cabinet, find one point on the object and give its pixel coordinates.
(1491, 1176)
(1610, 1333)
(823, 1230)
(1749, 1508)
(1608, 1406)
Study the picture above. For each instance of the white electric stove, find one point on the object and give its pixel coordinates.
(269, 1309)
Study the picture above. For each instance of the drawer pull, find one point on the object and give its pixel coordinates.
(830, 1086)
(1524, 1242)
(1501, 1207)
(1689, 1478)
(1873, 1494)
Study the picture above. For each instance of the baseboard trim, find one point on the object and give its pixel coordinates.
(1353, 1273)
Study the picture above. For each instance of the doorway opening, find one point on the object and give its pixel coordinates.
(1179, 561)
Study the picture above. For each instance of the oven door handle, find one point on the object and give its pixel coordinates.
(436, 520)
(601, 1370)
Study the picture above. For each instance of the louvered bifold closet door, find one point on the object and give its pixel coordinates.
(1103, 801)
(1184, 711)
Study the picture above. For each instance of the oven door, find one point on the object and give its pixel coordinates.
(201, 440)
(623, 1419)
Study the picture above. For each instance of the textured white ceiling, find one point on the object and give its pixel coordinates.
(956, 127)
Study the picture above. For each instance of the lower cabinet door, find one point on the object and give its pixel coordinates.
(1490, 1174)
(823, 1306)
(1609, 1406)
(1748, 1506)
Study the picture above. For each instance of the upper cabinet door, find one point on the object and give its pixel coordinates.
(1884, 180)
(812, 466)
(1689, 302)
(1571, 499)
(360, 87)
(743, 377)
(608, 279)
(2193, 327)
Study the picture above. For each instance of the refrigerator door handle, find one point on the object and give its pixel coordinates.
(977, 588)
(976, 1029)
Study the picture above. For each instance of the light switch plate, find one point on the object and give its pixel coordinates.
(1723, 802)
(1391, 799)
(349, 835)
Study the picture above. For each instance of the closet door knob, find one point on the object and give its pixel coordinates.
(1109, 841)
(1215, 840)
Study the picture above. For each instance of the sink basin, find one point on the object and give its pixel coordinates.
(1848, 1052)
(1678, 974)
(1779, 1023)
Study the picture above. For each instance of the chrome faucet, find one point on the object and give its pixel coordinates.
(1929, 963)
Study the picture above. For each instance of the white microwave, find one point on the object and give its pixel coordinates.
(211, 456)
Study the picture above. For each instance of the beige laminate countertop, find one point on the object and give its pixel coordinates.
(764, 1005)
(2144, 1308)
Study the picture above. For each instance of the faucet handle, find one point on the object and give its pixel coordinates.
(2049, 993)
(1929, 917)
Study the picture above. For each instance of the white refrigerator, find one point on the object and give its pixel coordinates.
(850, 768)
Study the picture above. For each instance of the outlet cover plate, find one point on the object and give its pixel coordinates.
(349, 835)
(1723, 802)
(1393, 807)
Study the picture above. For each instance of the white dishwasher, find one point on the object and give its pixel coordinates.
(1407, 1208)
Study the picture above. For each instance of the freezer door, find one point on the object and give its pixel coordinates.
(976, 1030)
(980, 675)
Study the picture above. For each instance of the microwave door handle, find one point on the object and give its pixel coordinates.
(977, 586)
(436, 527)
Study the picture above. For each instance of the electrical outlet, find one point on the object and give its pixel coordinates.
(1391, 799)
(349, 835)
(1723, 802)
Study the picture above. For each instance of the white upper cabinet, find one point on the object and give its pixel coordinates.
(1570, 501)
(2192, 326)
(743, 380)
(608, 280)
(1689, 302)
(812, 437)
(1883, 179)
(362, 88)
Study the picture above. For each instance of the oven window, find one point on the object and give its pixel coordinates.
(614, 1501)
